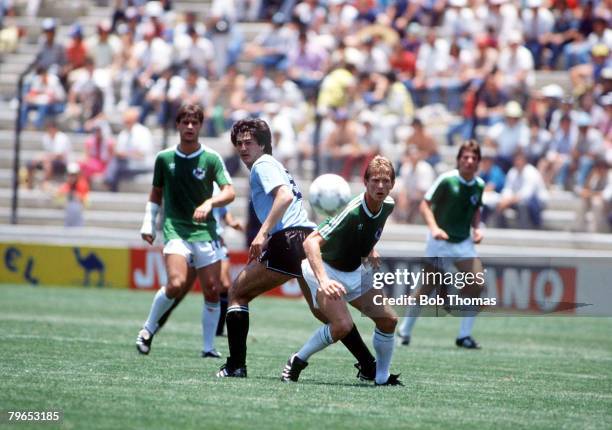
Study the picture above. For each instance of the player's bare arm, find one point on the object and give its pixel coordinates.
(282, 199)
(147, 231)
(312, 247)
(430, 220)
(234, 223)
(225, 197)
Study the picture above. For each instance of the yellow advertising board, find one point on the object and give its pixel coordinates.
(64, 265)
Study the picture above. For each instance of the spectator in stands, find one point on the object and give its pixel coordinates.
(555, 166)
(490, 102)
(99, 148)
(552, 95)
(515, 66)
(525, 192)
(494, 178)
(432, 62)
(133, 153)
(342, 149)
(508, 136)
(415, 178)
(588, 74)
(566, 108)
(589, 145)
(595, 198)
(76, 51)
(73, 196)
(424, 142)
(485, 59)
(576, 52)
(500, 19)
(307, 63)
(195, 51)
(164, 97)
(152, 56)
(258, 91)
(337, 88)
(51, 55)
(539, 141)
(57, 150)
(563, 32)
(226, 39)
(86, 99)
(270, 47)
(104, 48)
(283, 134)
(46, 95)
(537, 21)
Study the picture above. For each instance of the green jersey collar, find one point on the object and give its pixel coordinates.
(192, 155)
(367, 211)
(463, 181)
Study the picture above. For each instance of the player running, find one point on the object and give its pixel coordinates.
(335, 274)
(276, 252)
(183, 178)
(450, 208)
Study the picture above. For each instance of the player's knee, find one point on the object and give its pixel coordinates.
(211, 295)
(387, 324)
(175, 285)
(339, 329)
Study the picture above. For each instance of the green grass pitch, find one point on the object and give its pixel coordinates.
(73, 350)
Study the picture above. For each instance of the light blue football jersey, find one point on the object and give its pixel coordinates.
(267, 174)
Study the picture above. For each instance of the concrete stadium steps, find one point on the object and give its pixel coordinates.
(520, 239)
(98, 201)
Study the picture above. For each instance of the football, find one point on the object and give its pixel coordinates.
(328, 194)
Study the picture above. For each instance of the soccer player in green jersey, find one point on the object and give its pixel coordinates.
(183, 179)
(451, 208)
(335, 274)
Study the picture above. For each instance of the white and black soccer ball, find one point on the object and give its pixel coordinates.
(328, 194)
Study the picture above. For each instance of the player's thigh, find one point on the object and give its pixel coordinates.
(177, 270)
(337, 313)
(191, 277)
(308, 297)
(253, 280)
(473, 266)
(226, 280)
(210, 280)
(383, 316)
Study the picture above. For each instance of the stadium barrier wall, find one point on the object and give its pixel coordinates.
(531, 285)
(99, 267)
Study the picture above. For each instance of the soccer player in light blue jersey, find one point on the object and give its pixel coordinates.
(276, 253)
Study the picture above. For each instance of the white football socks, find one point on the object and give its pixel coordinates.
(210, 318)
(384, 344)
(161, 303)
(319, 340)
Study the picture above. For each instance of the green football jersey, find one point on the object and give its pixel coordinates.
(351, 234)
(187, 181)
(453, 202)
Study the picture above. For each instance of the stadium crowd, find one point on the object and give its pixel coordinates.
(346, 80)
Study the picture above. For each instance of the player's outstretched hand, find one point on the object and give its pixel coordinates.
(332, 289)
(439, 234)
(237, 225)
(149, 238)
(202, 211)
(477, 235)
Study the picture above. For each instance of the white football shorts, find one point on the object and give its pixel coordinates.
(197, 254)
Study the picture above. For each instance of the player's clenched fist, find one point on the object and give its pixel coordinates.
(202, 211)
